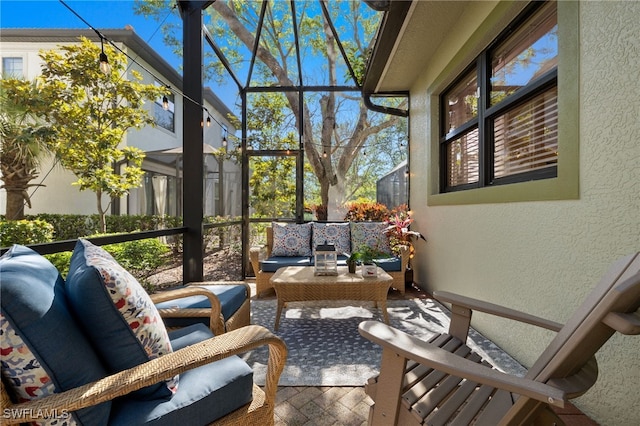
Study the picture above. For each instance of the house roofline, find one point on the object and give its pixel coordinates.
(126, 36)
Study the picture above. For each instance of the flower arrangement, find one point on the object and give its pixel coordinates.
(399, 233)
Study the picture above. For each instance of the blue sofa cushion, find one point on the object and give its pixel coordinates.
(391, 264)
(117, 314)
(205, 394)
(231, 298)
(43, 349)
(273, 263)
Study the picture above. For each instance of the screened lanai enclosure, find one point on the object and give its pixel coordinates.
(306, 139)
(309, 144)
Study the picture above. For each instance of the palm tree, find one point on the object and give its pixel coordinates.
(22, 142)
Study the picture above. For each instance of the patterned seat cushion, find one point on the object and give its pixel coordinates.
(117, 314)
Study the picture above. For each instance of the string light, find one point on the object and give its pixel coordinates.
(208, 121)
(104, 61)
(165, 102)
(224, 138)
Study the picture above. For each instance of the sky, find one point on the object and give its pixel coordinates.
(100, 14)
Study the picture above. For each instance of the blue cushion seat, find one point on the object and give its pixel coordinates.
(273, 263)
(390, 264)
(205, 394)
(231, 299)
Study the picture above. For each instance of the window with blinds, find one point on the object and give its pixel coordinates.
(500, 117)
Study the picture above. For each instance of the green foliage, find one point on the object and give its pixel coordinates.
(367, 210)
(367, 255)
(139, 256)
(61, 261)
(25, 232)
(22, 141)
(90, 112)
(72, 226)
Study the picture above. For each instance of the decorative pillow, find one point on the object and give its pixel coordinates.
(43, 349)
(337, 234)
(117, 314)
(370, 234)
(291, 239)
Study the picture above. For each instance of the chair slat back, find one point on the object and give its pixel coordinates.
(585, 332)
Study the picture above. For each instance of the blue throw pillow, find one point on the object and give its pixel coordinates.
(117, 314)
(43, 349)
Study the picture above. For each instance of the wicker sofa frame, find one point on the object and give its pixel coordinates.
(262, 278)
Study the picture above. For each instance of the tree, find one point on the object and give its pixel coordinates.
(331, 146)
(22, 144)
(90, 111)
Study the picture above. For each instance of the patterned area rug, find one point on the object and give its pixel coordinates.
(325, 348)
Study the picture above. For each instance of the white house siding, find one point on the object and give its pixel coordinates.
(543, 257)
(59, 196)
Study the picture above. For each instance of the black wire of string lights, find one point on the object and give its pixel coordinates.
(104, 59)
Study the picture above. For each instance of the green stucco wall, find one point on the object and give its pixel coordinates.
(525, 249)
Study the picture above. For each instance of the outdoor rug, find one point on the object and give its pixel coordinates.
(325, 348)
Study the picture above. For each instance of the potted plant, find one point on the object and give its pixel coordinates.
(400, 236)
(365, 256)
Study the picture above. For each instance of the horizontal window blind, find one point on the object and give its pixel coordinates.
(526, 137)
(462, 160)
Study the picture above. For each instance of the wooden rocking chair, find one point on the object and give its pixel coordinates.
(443, 382)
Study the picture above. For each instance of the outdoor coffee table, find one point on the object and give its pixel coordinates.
(299, 284)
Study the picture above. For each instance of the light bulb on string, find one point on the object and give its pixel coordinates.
(324, 154)
(104, 61)
(208, 121)
(165, 103)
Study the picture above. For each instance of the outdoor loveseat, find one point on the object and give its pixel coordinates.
(93, 350)
(294, 245)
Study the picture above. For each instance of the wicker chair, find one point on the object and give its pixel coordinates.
(256, 254)
(444, 382)
(209, 313)
(258, 412)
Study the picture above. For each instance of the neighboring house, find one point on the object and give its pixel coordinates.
(392, 189)
(527, 189)
(161, 186)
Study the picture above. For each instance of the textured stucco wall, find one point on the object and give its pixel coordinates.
(544, 256)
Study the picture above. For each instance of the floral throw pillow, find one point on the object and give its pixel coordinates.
(291, 239)
(117, 314)
(370, 234)
(337, 234)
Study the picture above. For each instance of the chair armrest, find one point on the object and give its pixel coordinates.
(412, 348)
(405, 255)
(459, 302)
(216, 320)
(254, 257)
(162, 368)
